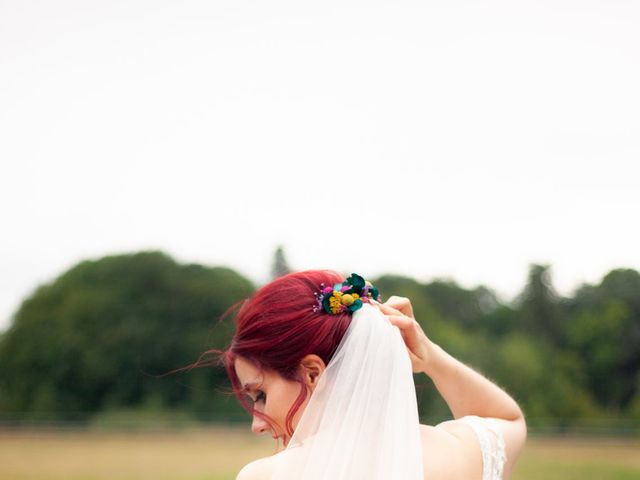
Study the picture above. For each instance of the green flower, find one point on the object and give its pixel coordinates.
(375, 293)
(357, 283)
(355, 305)
(326, 302)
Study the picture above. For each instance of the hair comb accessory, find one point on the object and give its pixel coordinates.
(347, 296)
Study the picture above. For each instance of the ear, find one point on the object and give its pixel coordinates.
(311, 368)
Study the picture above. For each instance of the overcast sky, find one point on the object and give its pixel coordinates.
(461, 139)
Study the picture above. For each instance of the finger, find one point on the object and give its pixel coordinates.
(401, 321)
(389, 310)
(402, 304)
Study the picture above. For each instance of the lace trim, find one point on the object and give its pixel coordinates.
(492, 445)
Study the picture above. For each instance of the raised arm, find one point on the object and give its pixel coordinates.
(465, 391)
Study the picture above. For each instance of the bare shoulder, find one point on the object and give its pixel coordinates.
(260, 469)
(450, 451)
(265, 468)
(454, 446)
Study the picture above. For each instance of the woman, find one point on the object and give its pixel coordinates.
(320, 364)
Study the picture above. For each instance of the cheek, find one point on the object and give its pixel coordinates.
(298, 414)
(279, 403)
(281, 398)
(289, 400)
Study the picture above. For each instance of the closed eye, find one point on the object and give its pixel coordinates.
(260, 397)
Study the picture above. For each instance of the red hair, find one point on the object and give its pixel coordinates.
(277, 326)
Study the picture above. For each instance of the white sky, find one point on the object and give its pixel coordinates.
(463, 139)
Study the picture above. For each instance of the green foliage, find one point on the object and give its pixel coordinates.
(604, 329)
(99, 335)
(562, 359)
(539, 306)
(97, 340)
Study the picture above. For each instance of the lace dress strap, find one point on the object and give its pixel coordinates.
(492, 445)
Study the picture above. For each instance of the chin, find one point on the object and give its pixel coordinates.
(285, 439)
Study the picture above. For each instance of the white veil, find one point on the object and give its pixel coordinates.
(361, 421)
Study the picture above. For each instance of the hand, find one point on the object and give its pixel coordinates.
(400, 313)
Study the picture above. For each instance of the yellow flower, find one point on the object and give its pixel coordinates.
(347, 300)
(334, 302)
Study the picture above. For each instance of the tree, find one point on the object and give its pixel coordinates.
(539, 306)
(604, 329)
(279, 266)
(99, 335)
(466, 307)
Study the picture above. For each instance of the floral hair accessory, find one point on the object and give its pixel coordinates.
(347, 296)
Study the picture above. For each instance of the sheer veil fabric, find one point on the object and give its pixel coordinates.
(361, 421)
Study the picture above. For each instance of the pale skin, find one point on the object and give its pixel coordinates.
(450, 449)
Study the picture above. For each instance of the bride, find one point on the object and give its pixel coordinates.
(326, 368)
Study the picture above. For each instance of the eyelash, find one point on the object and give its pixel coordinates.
(260, 397)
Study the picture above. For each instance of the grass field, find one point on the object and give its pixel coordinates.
(218, 454)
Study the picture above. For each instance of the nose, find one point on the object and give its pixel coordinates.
(259, 425)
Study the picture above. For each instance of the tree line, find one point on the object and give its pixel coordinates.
(102, 337)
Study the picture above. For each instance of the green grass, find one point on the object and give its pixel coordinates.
(218, 454)
(583, 459)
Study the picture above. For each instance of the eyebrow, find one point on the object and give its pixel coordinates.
(249, 385)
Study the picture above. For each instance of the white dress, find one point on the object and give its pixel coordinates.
(492, 445)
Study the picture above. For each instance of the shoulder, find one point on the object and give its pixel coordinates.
(471, 444)
(260, 469)
(450, 451)
(265, 468)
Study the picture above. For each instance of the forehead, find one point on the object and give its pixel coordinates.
(247, 372)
